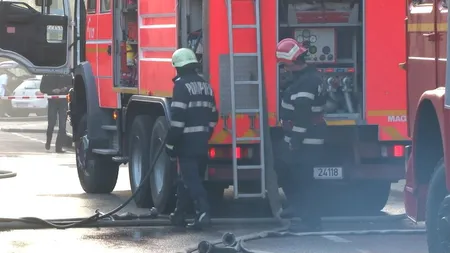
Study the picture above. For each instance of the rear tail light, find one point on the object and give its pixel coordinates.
(399, 151)
(225, 153)
(393, 151)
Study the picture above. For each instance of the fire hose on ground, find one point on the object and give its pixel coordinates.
(112, 219)
(7, 174)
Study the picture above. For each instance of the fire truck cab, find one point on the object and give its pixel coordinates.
(428, 158)
(119, 107)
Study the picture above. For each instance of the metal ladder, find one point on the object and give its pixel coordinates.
(235, 111)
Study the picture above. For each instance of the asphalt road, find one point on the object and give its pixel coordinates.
(47, 186)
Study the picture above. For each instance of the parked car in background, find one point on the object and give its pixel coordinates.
(16, 75)
(23, 107)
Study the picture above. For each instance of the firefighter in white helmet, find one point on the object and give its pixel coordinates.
(304, 129)
(193, 118)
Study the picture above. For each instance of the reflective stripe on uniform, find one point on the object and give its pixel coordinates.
(195, 129)
(298, 129)
(306, 141)
(313, 141)
(317, 109)
(200, 104)
(177, 124)
(212, 124)
(179, 104)
(287, 106)
(214, 109)
(302, 95)
(169, 146)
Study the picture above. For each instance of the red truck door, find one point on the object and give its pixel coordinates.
(422, 62)
(107, 97)
(158, 39)
(41, 53)
(422, 53)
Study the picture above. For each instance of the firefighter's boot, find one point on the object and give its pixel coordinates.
(291, 209)
(288, 212)
(49, 141)
(178, 217)
(202, 218)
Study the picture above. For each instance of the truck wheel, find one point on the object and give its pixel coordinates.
(97, 174)
(362, 198)
(162, 179)
(436, 193)
(139, 163)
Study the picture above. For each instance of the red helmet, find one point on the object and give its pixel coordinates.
(288, 50)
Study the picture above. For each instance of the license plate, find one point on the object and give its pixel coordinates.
(328, 173)
(23, 105)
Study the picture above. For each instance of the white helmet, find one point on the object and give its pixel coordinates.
(183, 57)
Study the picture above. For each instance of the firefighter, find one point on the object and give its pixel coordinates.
(304, 131)
(57, 108)
(194, 116)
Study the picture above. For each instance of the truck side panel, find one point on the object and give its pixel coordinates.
(245, 67)
(385, 81)
(422, 56)
(441, 29)
(157, 24)
(104, 78)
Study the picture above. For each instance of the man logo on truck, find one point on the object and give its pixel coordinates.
(397, 118)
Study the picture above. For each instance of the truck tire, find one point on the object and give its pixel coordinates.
(361, 198)
(97, 174)
(139, 163)
(437, 191)
(163, 177)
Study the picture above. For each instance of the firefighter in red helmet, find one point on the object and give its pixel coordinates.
(301, 116)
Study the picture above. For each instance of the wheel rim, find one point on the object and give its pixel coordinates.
(81, 153)
(444, 224)
(158, 171)
(136, 162)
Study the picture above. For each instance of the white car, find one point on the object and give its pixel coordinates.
(23, 107)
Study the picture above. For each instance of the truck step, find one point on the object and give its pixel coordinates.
(105, 151)
(248, 139)
(251, 195)
(109, 127)
(120, 159)
(249, 167)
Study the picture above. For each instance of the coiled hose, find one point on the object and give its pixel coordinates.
(7, 174)
(92, 221)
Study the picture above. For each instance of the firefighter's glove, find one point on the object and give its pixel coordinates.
(286, 125)
(170, 151)
(295, 145)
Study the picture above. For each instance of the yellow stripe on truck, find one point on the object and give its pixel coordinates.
(393, 133)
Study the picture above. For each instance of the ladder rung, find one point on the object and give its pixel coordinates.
(247, 110)
(244, 26)
(248, 167)
(251, 195)
(244, 54)
(246, 82)
(248, 139)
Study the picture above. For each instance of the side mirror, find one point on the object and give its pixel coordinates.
(41, 3)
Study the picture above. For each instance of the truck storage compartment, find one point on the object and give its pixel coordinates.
(333, 32)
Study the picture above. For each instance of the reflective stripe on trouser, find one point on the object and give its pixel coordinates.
(310, 141)
(195, 129)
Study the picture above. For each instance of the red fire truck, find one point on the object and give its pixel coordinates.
(427, 166)
(122, 88)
